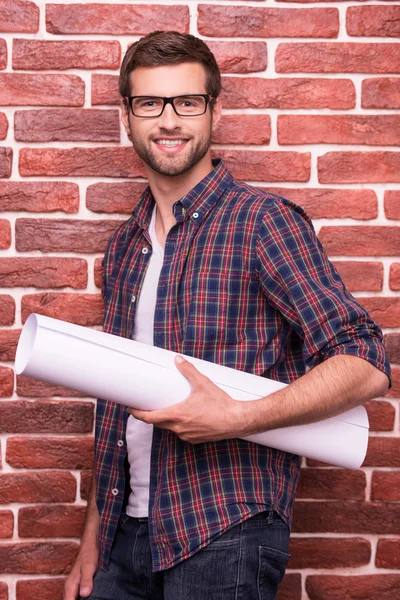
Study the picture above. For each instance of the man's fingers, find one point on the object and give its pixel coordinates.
(152, 417)
(86, 584)
(189, 371)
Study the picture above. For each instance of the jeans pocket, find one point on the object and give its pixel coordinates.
(271, 569)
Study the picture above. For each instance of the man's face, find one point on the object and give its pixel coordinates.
(150, 136)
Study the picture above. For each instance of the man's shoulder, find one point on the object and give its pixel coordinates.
(261, 202)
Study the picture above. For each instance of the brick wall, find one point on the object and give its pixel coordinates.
(311, 91)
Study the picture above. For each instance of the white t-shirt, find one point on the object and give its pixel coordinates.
(139, 435)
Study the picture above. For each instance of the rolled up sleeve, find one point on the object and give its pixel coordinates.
(302, 284)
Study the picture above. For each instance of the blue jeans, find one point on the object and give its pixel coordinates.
(247, 562)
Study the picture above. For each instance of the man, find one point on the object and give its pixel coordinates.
(219, 270)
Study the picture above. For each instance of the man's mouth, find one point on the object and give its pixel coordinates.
(170, 145)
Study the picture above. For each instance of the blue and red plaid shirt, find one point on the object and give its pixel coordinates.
(245, 283)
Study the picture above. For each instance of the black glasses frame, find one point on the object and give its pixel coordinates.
(169, 100)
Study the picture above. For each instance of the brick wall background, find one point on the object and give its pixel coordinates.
(311, 91)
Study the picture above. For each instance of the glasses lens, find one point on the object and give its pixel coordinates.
(190, 105)
(150, 106)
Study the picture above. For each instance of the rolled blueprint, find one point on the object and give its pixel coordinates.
(140, 376)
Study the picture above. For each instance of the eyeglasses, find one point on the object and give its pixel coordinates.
(149, 107)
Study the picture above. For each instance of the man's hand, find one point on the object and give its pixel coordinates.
(208, 414)
(80, 579)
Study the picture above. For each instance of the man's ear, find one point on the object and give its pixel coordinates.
(216, 113)
(125, 116)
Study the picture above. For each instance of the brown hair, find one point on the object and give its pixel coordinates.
(161, 48)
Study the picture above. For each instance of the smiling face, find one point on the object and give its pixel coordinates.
(170, 144)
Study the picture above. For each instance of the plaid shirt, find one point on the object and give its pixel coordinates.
(245, 283)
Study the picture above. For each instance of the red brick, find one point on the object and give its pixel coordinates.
(394, 391)
(232, 21)
(82, 309)
(63, 235)
(290, 588)
(8, 343)
(343, 57)
(46, 416)
(3, 54)
(115, 19)
(394, 276)
(43, 272)
(326, 553)
(359, 587)
(105, 89)
(6, 382)
(6, 524)
(379, 21)
(39, 196)
(20, 89)
(86, 484)
(44, 54)
(31, 388)
(332, 484)
(388, 554)
(381, 92)
(7, 309)
(239, 57)
(19, 16)
(5, 234)
(360, 240)
(361, 276)
(56, 486)
(80, 162)
(359, 167)
(3, 124)
(4, 591)
(114, 197)
(243, 129)
(392, 344)
(346, 517)
(267, 166)
(51, 521)
(38, 557)
(392, 204)
(385, 311)
(378, 130)
(383, 452)
(98, 272)
(381, 415)
(67, 124)
(385, 486)
(45, 589)
(50, 453)
(325, 203)
(6, 155)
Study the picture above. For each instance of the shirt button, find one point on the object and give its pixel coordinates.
(120, 443)
(145, 250)
(195, 215)
(133, 299)
(114, 492)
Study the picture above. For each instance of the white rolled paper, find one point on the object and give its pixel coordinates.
(139, 376)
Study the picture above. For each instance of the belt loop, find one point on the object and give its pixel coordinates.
(270, 517)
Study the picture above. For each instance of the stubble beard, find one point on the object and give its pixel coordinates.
(171, 164)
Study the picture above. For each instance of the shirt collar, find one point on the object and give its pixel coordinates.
(195, 204)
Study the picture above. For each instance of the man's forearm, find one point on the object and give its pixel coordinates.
(336, 385)
(91, 529)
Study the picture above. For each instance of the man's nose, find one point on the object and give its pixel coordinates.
(169, 119)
